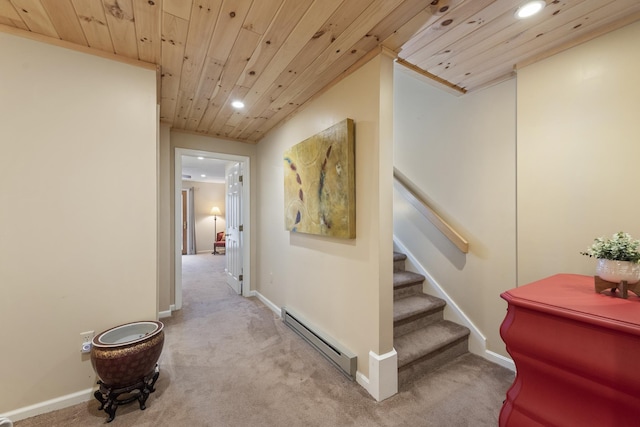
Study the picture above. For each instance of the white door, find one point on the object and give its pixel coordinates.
(234, 226)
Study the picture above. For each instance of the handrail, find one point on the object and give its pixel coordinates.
(413, 196)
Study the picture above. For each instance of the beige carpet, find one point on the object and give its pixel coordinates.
(229, 361)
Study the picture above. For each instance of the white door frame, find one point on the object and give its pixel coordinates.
(246, 216)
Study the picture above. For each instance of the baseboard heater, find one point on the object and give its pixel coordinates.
(342, 359)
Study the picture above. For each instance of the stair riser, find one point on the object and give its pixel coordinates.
(413, 324)
(405, 291)
(428, 363)
(398, 265)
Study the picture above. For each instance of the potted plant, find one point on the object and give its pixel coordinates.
(618, 258)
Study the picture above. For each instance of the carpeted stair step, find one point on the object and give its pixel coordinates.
(414, 312)
(406, 283)
(398, 261)
(427, 348)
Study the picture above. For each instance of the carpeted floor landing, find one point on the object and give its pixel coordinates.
(229, 361)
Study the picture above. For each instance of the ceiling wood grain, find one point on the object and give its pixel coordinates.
(275, 55)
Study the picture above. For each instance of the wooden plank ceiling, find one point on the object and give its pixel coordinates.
(276, 54)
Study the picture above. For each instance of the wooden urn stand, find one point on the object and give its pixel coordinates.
(110, 398)
(611, 288)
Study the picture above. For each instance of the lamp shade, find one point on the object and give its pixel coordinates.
(215, 211)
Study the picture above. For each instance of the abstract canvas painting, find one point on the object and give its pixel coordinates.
(319, 183)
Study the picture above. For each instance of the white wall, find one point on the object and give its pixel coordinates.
(460, 151)
(74, 128)
(578, 153)
(206, 195)
(342, 286)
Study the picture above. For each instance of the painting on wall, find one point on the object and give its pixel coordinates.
(319, 183)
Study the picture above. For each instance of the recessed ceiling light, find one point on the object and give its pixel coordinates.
(203, 175)
(200, 158)
(237, 104)
(530, 8)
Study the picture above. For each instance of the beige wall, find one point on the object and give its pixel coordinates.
(205, 196)
(578, 153)
(75, 129)
(343, 287)
(166, 263)
(460, 151)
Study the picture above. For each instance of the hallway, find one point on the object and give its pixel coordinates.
(229, 361)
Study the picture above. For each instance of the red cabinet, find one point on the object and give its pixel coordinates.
(577, 355)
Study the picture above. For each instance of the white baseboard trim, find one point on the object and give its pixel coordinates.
(362, 380)
(266, 301)
(383, 375)
(501, 360)
(167, 313)
(50, 405)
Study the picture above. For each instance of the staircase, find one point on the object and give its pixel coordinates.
(421, 337)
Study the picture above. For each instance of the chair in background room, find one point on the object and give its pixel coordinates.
(219, 243)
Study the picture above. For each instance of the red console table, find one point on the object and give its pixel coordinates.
(577, 355)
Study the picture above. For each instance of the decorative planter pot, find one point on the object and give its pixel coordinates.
(125, 358)
(617, 271)
(125, 354)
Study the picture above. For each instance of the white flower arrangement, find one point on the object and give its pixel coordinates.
(621, 247)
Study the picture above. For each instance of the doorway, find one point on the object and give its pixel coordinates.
(244, 199)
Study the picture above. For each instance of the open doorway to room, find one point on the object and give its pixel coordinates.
(203, 203)
(212, 206)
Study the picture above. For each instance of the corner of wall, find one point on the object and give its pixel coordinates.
(383, 375)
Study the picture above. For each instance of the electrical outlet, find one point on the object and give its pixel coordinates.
(85, 341)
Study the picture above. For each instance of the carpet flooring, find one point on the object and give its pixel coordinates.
(230, 361)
